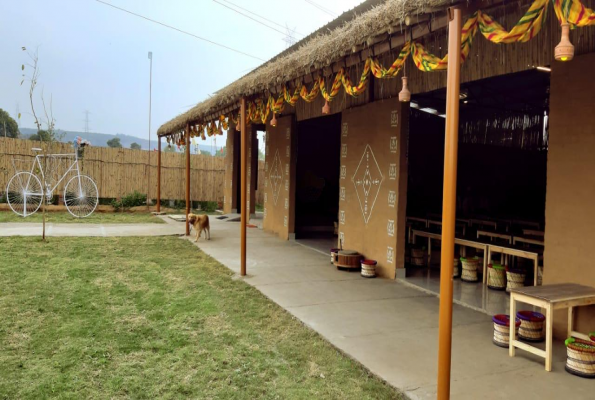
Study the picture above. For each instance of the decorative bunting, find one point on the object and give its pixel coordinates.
(572, 12)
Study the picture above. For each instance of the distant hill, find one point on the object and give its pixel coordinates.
(100, 139)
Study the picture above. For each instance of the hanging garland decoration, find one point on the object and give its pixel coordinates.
(426, 61)
(309, 97)
(292, 99)
(355, 91)
(574, 13)
(526, 29)
(382, 73)
(336, 86)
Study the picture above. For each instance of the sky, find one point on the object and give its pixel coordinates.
(94, 57)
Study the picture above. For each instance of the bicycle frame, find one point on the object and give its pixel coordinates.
(73, 167)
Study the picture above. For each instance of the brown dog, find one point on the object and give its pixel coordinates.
(200, 223)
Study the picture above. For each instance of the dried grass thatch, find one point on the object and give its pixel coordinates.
(321, 49)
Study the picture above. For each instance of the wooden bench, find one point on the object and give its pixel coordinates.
(550, 298)
(460, 241)
(511, 250)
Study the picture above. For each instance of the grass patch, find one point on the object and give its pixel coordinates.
(95, 218)
(149, 318)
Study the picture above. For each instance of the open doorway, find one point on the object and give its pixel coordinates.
(317, 180)
(501, 178)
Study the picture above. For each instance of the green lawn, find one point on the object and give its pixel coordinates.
(146, 318)
(95, 218)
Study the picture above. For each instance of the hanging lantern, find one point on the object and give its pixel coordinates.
(326, 109)
(564, 50)
(404, 94)
(274, 120)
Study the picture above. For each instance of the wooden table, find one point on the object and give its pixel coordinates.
(493, 234)
(517, 252)
(549, 297)
(418, 219)
(483, 222)
(528, 240)
(533, 232)
(457, 225)
(461, 242)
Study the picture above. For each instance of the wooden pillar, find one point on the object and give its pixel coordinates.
(449, 200)
(187, 143)
(243, 197)
(158, 173)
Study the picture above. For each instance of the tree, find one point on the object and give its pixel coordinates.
(42, 136)
(49, 135)
(133, 146)
(114, 143)
(8, 126)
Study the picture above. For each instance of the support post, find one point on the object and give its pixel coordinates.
(187, 143)
(158, 174)
(449, 202)
(243, 178)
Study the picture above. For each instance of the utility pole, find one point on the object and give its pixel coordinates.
(87, 112)
(149, 167)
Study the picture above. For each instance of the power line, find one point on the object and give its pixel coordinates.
(321, 8)
(181, 31)
(247, 16)
(258, 15)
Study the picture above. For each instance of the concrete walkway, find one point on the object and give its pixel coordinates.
(81, 229)
(390, 327)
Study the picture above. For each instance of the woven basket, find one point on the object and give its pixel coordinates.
(502, 329)
(515, 279)
(580, 359)
(455, 268)
(334, 253)
(496, 277)
(368, 268)
(531, 326)
(418, 257)
(469, 273)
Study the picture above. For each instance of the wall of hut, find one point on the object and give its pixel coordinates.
(373, 183)
(279, 186)
(571, 184)
(230, 200)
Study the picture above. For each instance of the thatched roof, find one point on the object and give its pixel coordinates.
(320, 49)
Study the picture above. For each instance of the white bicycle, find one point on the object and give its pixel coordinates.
(25, 191)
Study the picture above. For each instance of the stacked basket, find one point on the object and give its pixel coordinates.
(515, 278)
(470, 266)
(334, 253)
(417, 257)
(455, 268)
(502, 329)
(496, 277)
(531, 326)
(369, 268)
(580, 359)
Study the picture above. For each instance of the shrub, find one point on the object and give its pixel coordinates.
(128, 201)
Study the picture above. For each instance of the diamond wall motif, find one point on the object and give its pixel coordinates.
(276, 177)
(367, 180)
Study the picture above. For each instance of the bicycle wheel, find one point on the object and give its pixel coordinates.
(81, 196)
(24, 193)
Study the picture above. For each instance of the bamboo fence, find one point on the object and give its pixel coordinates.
(118, 171)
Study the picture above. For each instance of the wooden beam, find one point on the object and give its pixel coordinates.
(244, 187)
(187, 143)
(158, 174)
(449, 201)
